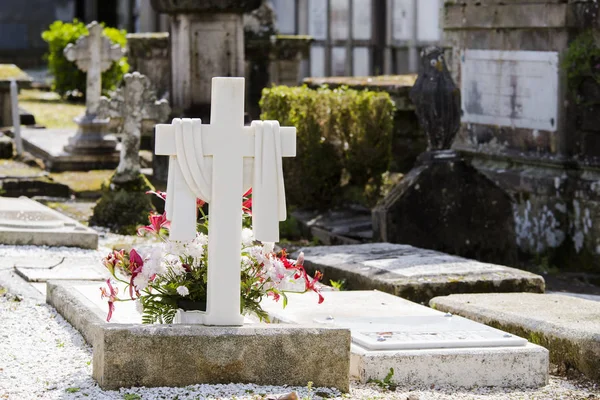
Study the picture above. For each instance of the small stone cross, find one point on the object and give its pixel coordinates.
(93, 54)
(132, 103)
(218, 160)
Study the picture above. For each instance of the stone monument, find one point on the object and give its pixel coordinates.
(92, 54)
(124, 204)
(444, 203)
(531, 101)
(132, 105)
(207, 39)
(218, 163)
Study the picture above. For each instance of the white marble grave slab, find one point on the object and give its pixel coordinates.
(27, 222)
(510, 88)
(424, 346)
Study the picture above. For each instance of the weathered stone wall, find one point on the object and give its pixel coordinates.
(552, 176)
(408, 139)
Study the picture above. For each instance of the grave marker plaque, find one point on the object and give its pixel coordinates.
(510, 88)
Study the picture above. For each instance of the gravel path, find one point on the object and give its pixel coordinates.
(43, 357)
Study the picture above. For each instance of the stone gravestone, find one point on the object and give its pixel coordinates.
(444, 203)
(217, 163)
(92, 54)
(124, 204)
(132, 105)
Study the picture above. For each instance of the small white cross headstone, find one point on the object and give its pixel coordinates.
(93, 54)
(217, 163)
(131, 105)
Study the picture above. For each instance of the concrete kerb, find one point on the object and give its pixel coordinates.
(180, 355)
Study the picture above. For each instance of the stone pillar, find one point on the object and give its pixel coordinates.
(207, 40)
(524, 121)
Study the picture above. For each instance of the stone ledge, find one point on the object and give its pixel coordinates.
(568, 327)
(179, 355)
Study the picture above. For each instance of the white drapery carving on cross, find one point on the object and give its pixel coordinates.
(217, 163)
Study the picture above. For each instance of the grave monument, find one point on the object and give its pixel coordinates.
(92, 54)
(444, 203)
(531, 100)
(217, 163)
(207, 39)
(124, 204)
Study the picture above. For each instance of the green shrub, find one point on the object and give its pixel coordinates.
(123, 207)
(581, 60)
(344, 140)
(67, 77)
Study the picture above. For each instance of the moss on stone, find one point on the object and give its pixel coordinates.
(123, 207)
(11, 71)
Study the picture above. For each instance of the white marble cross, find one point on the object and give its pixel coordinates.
(93, 54)
(217, 163)
(131, 105)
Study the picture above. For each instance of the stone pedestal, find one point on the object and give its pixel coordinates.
(447, 205)
(207, 40)
(90, 137)
(532, 127)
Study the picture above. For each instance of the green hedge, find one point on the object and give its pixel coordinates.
(343, 146)
(67, 77)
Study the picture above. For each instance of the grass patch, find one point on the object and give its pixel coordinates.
(50, 109)
(17, 169)
(82, 182)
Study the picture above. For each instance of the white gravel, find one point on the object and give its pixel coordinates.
(43, 357)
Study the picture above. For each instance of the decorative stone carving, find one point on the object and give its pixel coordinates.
(437, 100)
(132, 104)
(93, 54)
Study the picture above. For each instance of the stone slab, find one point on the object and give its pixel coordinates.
(49, 144)
(567, 326)
(27, 222)
(180, 355)
(414, 274)
(518, 364)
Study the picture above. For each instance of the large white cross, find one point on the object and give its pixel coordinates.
(226, 142)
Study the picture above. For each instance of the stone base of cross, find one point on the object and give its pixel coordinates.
(218, 163)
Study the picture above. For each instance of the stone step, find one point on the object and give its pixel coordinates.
(412, 273)
(423, 346)
(567, 326)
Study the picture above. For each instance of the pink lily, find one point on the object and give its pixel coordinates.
(158, 193)
(157, 222)
(111, 295)
(136, 263)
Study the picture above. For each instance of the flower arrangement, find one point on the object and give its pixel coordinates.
(173, 275)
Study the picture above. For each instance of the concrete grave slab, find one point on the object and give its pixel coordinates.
(567, 326)
(422, 345)
(49, 144)
(180, 355)
(413, 273)
(27, 222)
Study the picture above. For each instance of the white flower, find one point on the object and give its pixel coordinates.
(247, 237)
(268, 247)
(183, 291)
(140, 282)
(138, 307)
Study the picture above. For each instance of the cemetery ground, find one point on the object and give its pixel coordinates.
(47, 358)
